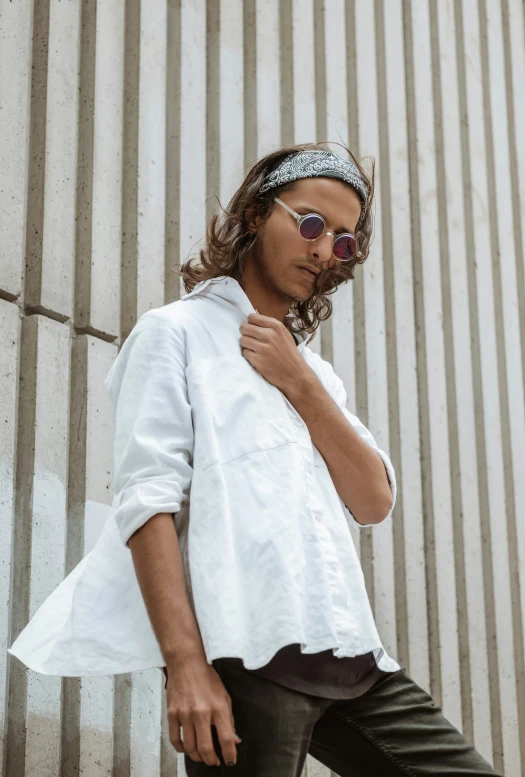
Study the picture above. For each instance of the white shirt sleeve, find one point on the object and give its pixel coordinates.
(153, 448)
(337, 391)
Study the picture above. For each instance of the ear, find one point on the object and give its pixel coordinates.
(252, 217)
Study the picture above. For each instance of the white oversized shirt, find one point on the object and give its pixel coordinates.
(269, 559)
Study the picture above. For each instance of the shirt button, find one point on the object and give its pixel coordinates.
(318, 518)
(309, 468)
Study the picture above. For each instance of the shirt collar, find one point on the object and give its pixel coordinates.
(229, 288)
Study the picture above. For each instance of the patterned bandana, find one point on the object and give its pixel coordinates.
(310, 164)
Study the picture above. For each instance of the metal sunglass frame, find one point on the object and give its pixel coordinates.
(335, 236)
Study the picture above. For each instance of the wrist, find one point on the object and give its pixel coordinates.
(301, 384)
(182, 658)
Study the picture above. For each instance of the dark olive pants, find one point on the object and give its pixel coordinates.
(395, 728)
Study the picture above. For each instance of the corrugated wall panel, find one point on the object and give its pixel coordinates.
(15, 80)
(9, 376)
(50, 271)
(408, 529)
(99, 186)
(452, 168)
(510, 386)
(371, 367)
(435, 441)
(121, 125)
(91, 470)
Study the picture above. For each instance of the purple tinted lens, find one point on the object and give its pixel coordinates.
(312, 227)
(344, 247)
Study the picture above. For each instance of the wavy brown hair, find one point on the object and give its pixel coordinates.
(228, 239)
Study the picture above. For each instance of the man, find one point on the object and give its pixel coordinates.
(238, 470)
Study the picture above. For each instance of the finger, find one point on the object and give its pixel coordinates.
(227, 737)
(250, 343)
(232, 722)
(257, 329)
(205, 743)
(174, 733)
(191, 745)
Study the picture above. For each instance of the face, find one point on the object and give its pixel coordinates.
(280, 253)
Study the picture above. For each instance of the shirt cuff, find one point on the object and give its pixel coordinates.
(135, 505)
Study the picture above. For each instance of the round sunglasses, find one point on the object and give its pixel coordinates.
(312, 226)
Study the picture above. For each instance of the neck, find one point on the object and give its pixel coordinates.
(263, 298)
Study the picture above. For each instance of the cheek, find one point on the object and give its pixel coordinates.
(281, 249)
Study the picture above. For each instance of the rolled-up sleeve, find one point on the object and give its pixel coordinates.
(153, 449)
(337, 391)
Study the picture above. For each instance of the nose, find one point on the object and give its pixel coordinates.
(322, 248)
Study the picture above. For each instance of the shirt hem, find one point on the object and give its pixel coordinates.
(257, 662)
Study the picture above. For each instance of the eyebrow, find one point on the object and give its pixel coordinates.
(316, 210)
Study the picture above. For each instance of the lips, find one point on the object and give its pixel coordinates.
(311, 273)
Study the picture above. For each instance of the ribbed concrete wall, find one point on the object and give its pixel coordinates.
(119, 123)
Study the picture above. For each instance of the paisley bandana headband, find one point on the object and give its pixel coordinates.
(311, 164)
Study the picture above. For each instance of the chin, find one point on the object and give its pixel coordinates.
(295, 292)
(300, 297)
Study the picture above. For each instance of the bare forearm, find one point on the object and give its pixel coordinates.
(160, 574)
(357, 471)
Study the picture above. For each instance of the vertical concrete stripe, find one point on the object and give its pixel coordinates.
(422, 379)
(48, 529)
(304, 64)
(15, 69)
(359, 318)
(491, 478)
(268, 82)
(319, 9)
(374, 309)
(496, 563)
(121, 725)
(287, 74)
(399, 297)
(473, 638)
(106, 187)
(129, 264)
(128, 306)
(37, 157)
(351, 81)
(173, 282)
(84, 193)
(336, 118)
(10, 324)
(251, 141)
(320, 70)
(516, 537)
(70, 719)
(16, 706)
(231, 108)
(387, 194)
(451, 613)
(55, 296)
(214, 82)
(152, 155)
(193, 127)
(96, 693)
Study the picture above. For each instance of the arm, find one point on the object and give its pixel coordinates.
(349, 449)
(358, 472)
(196, 695)
(153, 424)
(153, 451)
(160, 573)
(153, 472)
